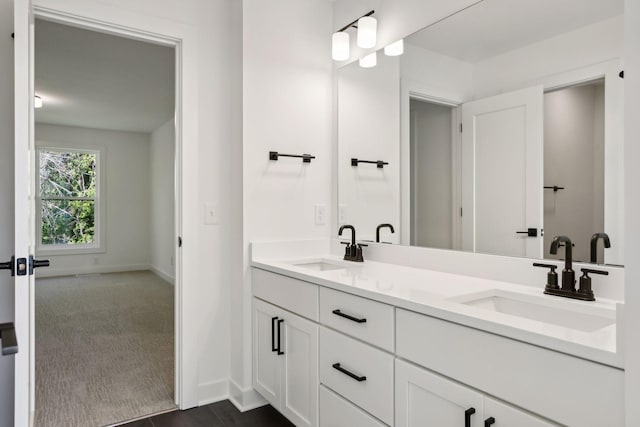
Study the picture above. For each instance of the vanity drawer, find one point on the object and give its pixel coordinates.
(337, 412)
(357, 371)
(362, 318)
(291, 294)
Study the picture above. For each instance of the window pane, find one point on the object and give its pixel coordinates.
(68, 222)
(67, 174)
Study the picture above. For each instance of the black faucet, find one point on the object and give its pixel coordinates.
(568, 275)
(353, 251)
(389, 226)
(594, 245)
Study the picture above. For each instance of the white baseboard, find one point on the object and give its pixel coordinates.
(163, 274)
(213, 392)
(245, 399)
(89, 269)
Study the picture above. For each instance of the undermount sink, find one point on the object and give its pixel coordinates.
(320, 265)
(583, 317)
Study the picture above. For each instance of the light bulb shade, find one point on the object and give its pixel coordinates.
(340, 46)
(369, 61)
(37, 102)
(395, 49)
(367, 29)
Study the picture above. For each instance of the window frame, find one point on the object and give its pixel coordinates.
(98, 245)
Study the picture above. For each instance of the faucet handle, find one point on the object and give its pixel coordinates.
(588, 271)
(585, 283)
(552, 276)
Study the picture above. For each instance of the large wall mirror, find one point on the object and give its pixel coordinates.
(497, 129)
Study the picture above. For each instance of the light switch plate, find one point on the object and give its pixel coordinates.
(321, 214)
(210, 214)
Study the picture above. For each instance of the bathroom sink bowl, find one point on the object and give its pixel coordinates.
(320, 265)
(584, 317)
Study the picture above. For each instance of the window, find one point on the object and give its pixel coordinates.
(69, 203)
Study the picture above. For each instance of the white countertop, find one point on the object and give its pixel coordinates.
(440, 294)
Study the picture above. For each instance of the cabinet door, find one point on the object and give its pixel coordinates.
(507, 416)
(299, 402)
(266, 368)
(426, 399)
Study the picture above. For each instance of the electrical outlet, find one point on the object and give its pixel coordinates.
(342, 214)
(210, 214)
(321, 214)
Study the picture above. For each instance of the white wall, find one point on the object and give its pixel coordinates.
(574, 159)
(125, 171)
(162, 201)
(632, 210)
(6, 201)
(436, 75)
(369, 129)
(540, 62)
(287, 108)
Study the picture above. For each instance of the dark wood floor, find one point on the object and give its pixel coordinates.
(221, 414)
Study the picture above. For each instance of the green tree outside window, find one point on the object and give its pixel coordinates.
(68, 183)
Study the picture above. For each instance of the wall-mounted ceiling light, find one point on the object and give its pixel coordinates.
(395, 49)
(367, 31)
(369, 61)
(367, 27)
(340, 46)
(37, 102)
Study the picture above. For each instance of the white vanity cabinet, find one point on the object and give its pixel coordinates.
(424, 398)
(285, 362)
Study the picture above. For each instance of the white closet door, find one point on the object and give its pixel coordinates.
(502, 173)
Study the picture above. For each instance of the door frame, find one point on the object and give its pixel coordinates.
(183, 39)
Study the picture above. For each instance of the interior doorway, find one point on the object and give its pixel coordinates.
(432, 156)
(105, 201)
(574, 166)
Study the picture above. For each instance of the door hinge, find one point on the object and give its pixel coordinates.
(460, 127)
(179, 241)
(460, 211)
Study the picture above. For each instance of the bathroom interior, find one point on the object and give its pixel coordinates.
(389, 212)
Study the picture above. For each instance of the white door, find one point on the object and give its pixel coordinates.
(427, 399)
(24, 210)
(299, 371)
(266, 366)
(504, 415)
(502, 173)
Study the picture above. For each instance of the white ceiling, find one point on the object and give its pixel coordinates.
(493, 27)
(101, 81)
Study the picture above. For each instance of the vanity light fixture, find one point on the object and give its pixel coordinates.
(37, 102)
(367, 31)
(340, 46)
(340, 40)
(395, 49)
(369, 61)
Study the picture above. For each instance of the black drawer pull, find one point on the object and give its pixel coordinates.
(346, 316)
(489, 421)
(273, 334)
(351, 374)
(467, 416)
(280, 322)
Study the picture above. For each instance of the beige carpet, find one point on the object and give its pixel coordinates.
(104, 348)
